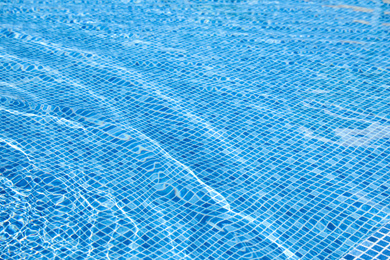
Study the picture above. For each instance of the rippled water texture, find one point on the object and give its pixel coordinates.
(194, 129)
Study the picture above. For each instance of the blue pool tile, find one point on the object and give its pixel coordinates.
(213, 129)
(349, 257)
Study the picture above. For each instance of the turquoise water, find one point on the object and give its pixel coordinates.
(194, 130)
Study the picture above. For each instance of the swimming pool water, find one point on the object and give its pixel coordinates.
(153, 129)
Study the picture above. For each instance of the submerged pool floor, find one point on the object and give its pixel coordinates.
(195, 129)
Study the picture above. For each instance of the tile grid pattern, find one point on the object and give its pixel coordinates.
(194, 129)
(375, 247)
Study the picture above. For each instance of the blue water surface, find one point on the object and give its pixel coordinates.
(156, 129)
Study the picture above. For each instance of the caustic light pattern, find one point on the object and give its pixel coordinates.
(195, 129)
